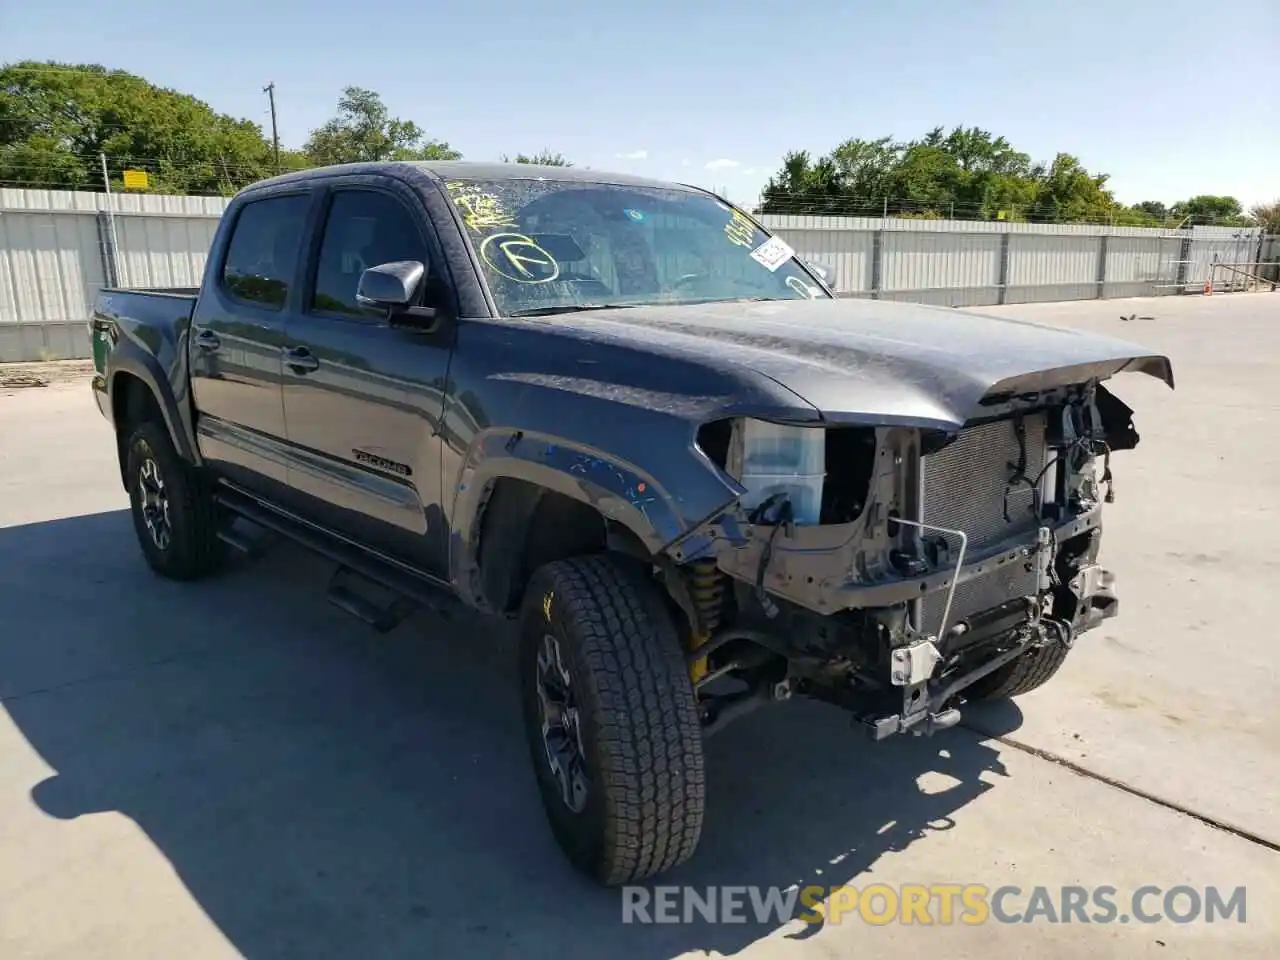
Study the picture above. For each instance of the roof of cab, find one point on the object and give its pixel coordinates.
(470, 170)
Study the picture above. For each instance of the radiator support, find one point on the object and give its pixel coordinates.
(988, 482)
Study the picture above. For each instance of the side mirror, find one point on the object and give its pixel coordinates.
(825, 273)
(390, 284)
(392, 287)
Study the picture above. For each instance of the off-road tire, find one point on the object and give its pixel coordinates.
(194, 549)
(1021, 675)
(641, 737)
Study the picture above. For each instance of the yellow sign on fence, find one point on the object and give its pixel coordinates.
(135, 179)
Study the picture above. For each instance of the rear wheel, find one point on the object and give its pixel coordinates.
(1021, 675)
(174, 514)
(611, 718)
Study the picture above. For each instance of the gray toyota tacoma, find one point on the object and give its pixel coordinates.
(623, 414)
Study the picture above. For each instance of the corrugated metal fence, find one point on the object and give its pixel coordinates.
(962, 263)
(57, 249)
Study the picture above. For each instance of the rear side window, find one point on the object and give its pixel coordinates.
(262, 257)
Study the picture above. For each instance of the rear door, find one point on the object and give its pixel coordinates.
(237, 333)
(362, 400)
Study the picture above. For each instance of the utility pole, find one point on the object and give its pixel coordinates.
(270, 91)
(113, 259)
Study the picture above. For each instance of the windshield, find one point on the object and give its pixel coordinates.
(550, 245)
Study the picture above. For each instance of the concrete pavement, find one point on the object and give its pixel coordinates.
(234, 768)
(1180, 695)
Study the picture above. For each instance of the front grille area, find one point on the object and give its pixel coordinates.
(965, 489)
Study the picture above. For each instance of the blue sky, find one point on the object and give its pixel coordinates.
(1171, 97)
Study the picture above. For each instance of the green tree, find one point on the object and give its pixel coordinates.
(1135, 216)
(1266, 216)
(1068, 193)
(805, 186)
(364, 130)
(990, 175)
(966, 172)
(979, 151)
(543, 157)
(1206, 208)
(56, 119)
(1155, 209)
(924, 178)
(863, 168)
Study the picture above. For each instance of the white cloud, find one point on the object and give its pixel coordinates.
(633, 155)
(748, 171)
(722, 164)
(684, 162)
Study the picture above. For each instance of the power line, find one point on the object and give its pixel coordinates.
(245, 171)
(233, 177)
(783, 203)
(775, 201)
(50, 124)
(137, 160)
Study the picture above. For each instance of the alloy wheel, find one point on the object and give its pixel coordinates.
(561, 725)
(155, 504)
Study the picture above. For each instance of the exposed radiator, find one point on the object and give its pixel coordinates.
(965, 488)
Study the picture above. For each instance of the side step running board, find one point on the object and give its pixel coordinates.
(345, 594)
(251, 546)
(357, 571)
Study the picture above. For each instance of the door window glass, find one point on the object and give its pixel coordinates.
(364, 229)
(262, 256)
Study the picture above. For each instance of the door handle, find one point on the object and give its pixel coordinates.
(301, 360)
(207, 340)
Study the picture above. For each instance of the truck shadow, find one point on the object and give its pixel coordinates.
(323, 791)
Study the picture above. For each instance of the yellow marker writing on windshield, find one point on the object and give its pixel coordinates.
(517, 257)
(740, 230)
(802, 288)
(480, 211)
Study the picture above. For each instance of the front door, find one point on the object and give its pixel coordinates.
(237, 334)
(362, 400)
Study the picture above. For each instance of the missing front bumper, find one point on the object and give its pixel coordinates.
(928, 705)
(820, 567)
(853, 641)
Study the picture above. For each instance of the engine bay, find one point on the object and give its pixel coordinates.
(935, 559)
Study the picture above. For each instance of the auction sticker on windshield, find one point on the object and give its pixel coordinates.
(772, 254)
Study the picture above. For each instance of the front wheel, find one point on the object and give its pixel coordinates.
(1021, 675)
(174, 514)
(612, 719)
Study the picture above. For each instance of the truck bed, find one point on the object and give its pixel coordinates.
(146, 294)
(148, 325)
(122, 311)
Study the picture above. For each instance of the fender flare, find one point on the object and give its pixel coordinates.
(128, 357)
(619, 491)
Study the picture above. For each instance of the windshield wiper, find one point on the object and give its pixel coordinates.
(580, 307)
(568, 308)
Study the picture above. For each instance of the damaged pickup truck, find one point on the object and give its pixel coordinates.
(621, 413)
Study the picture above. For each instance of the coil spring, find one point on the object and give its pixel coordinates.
(706, 587)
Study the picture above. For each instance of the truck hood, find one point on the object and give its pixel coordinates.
(870, 361)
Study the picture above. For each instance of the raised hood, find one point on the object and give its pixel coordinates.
(872, 361)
